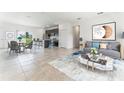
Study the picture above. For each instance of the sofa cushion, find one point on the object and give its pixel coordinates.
(86, 50)
(114, 46)
(109, 46)
(111, 53)
(88, 44)
(103, 45)
(95, 44)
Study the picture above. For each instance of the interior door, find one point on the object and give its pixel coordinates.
(76, 36)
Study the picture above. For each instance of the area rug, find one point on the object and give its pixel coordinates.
(78, 72)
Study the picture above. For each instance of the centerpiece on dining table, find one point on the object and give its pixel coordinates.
(19, 38)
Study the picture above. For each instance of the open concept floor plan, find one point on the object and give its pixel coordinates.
(61, 46)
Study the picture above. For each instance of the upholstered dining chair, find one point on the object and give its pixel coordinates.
(8, 48)
(29, 46)
(14, 47)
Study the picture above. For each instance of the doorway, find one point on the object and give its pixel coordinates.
(76, 36)
(51, 38)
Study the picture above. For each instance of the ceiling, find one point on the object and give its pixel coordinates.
(40, 19)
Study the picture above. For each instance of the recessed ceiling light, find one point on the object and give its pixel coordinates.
(79, 18)
(28, 16)
(99, 13)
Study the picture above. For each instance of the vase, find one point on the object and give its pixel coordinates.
(19, 40)
(94, 56)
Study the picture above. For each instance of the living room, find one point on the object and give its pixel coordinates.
(61, 47)
(73, 41)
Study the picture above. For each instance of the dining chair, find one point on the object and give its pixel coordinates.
(29, 46)
(8, 47)
(14, 47)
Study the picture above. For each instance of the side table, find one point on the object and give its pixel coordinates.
(122, 51)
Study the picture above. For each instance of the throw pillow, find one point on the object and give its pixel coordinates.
(115, 46)
(88, 44)
(103, 45)
(109, 46)
(95, 44)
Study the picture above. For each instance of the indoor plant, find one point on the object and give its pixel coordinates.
(93, 51)
(19, 38)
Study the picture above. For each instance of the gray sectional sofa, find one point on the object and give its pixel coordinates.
(114, 51)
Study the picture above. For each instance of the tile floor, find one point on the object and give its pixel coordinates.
(32, 65)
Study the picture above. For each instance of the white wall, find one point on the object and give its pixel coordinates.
(9, 27)
(65, 35)
(86, 25)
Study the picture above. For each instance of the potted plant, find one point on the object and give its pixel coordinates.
(19, 38)
(93, 51)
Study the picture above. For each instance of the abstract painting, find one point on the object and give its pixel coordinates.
(106, 31)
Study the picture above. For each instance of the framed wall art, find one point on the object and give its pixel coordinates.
(10, 35)
(106, 31)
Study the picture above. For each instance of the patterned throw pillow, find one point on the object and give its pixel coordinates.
(103, 45)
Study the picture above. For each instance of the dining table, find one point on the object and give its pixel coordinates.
(21, 47)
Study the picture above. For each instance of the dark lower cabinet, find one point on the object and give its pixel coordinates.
(47, 43)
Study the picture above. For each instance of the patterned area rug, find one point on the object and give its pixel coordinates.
(78, 72)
